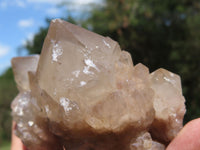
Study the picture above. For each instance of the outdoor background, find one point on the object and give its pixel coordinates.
(159, 34)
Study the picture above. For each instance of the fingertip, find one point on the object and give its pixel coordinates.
(188, 138)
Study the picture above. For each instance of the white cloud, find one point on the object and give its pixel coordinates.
(3, 4)
(46, 1)
(29, 38)
(84, 2)
(26, 23)
(4, 49)
(78, 2)
(52, 11)
(6, 3)
(81, 5)
(20, 3)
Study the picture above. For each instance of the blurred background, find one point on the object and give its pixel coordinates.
(157, 33)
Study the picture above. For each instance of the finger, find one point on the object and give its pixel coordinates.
(188, 138)
(16, 143)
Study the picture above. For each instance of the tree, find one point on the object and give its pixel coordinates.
(35, 46)
(157, 33)
(8, 91)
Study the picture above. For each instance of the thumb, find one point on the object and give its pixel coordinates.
(188, 138)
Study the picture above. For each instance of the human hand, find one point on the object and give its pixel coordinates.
(16, 143)
(187, 139)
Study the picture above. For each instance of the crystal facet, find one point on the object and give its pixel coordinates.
(21, 65)
(85, 93)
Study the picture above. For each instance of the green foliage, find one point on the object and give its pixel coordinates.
(5, 145)
(35, 46)
(158, 34)
(8, 91)
(147, 29)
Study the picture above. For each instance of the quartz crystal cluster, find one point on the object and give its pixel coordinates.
(84, 93)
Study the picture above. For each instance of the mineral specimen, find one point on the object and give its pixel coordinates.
(84, 93)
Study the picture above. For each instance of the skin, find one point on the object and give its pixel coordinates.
(187, 139)
(16, 143)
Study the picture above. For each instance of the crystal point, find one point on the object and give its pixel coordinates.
(85, 93)
(21, 66)
(169, 104)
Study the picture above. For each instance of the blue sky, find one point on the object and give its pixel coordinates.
(20, 19)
